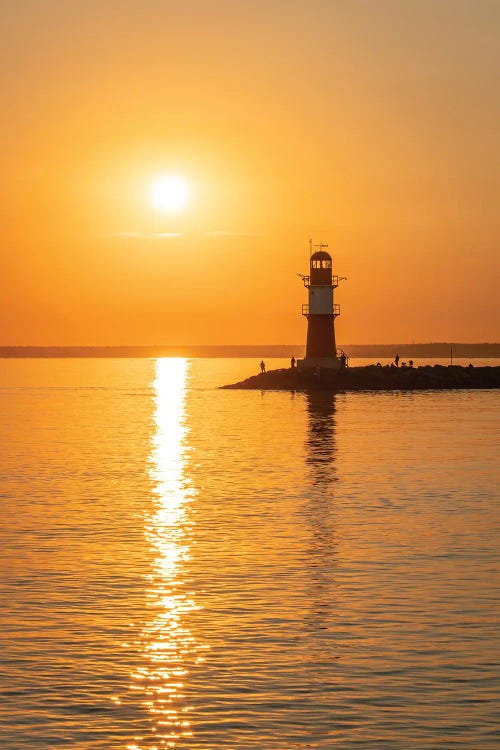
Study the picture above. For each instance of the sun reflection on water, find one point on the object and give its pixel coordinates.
(167, 644)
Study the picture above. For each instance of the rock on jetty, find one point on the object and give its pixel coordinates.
(374, 378)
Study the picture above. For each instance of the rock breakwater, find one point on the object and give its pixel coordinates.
(374, 378)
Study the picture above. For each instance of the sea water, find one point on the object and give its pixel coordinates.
(188, 567)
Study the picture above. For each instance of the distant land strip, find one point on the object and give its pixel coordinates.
(432, 350)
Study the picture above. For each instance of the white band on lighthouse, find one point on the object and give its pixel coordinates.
(320, 300)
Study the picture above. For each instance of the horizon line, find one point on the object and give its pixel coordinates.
(241, 346)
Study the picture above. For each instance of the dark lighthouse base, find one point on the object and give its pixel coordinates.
(374, 378)
(321, 350)
(321, 363)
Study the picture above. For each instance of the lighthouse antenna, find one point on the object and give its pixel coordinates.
(321, 246)
(312, 247)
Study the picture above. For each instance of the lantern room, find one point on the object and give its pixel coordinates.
(320, 269)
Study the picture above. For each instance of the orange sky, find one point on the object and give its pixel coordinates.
(370, 125)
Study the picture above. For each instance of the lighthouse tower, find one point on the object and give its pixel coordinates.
(321, 349)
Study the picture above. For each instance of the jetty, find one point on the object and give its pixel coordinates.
(374, 378)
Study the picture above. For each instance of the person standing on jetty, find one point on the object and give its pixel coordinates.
(396, 360)
(292, 362)
(262, 366)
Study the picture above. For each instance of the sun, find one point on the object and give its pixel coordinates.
(170, 194)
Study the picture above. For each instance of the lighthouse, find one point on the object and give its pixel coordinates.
(321, 311)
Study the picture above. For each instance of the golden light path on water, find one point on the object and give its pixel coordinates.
(168, 647)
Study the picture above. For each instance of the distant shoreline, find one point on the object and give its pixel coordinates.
(428, 351)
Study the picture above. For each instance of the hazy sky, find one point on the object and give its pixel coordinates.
(372, 126)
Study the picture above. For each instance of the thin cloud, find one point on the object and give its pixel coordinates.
(224, 233)
(147, 235)
(177, 235)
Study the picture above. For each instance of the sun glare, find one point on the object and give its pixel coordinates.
(170, 194)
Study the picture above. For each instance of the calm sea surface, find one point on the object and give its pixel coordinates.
(185, 567)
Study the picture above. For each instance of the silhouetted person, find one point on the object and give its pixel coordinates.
(396, 360)
(292, 362)
(410, 363)
(343, 361)
(262, 366)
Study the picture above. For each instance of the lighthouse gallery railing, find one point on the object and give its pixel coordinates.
(335, 312)
(307, 281)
